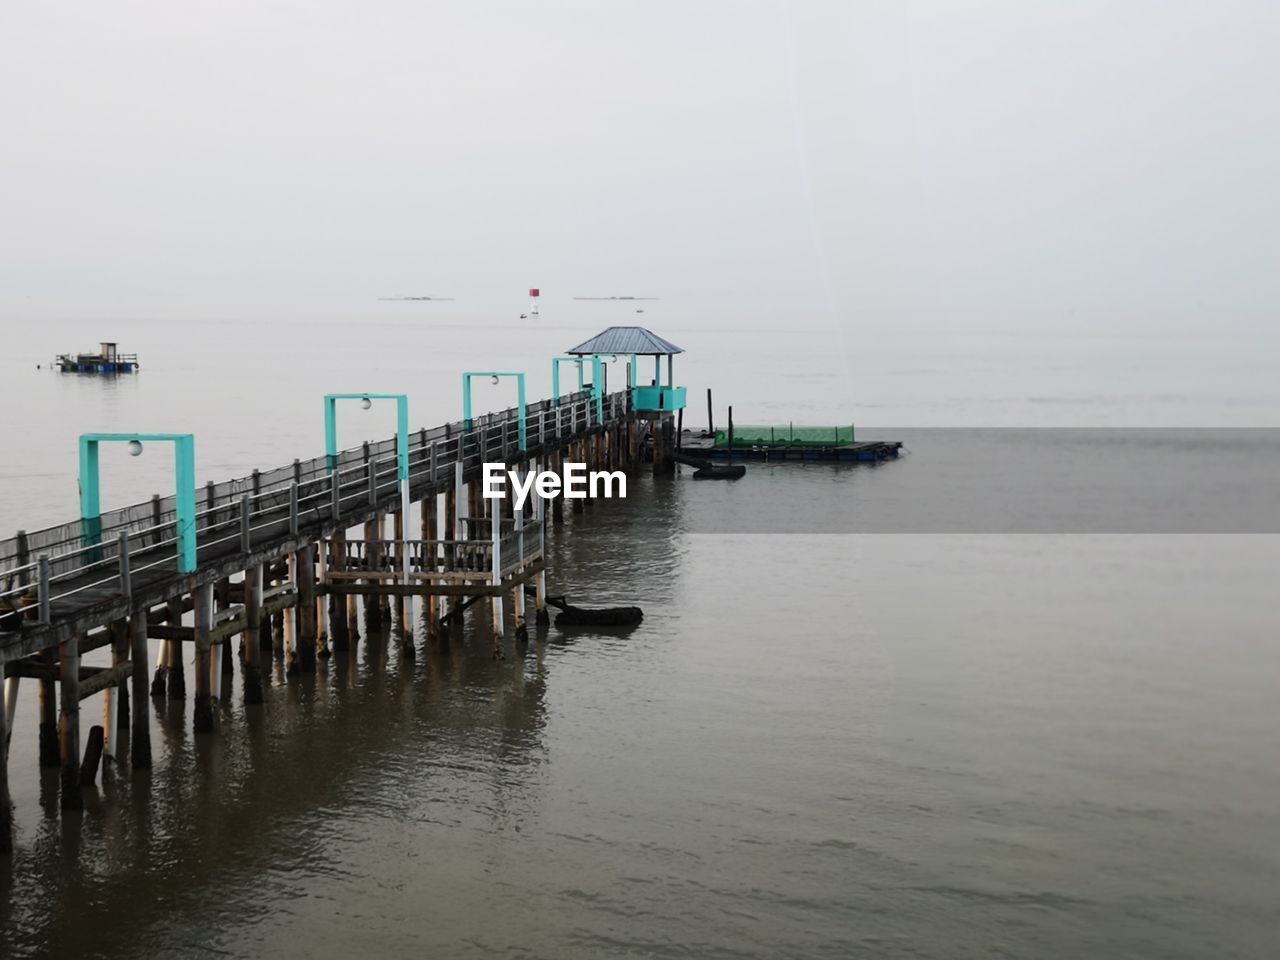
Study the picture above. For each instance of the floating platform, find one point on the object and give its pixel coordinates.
(872, 451)
(107, 360)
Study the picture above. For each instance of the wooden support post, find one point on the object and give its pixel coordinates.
(69, 723)
(226, 670)
(540, 589)
(159, 681)
(427, 532)
(322, 601)
(399, 520)
(496, 582)
(47, 704)
(338, 619)
(264, 628)
(372, 611)
(517, 602)
(287, 639)
(252, 633)
(304, 648)
(202, 601)
(282, 634)
(382, 600)
(92, 756)
(140, 748)
(175, 669)
(9, 706)
(6, 803)
(113, 702)
(353, 619)
(449, 533)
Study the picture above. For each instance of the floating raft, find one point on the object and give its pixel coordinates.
(867, 452)
(107, 360)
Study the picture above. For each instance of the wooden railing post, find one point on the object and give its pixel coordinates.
(43, 588)
(246, 534)
(293, 508)
(126, 586)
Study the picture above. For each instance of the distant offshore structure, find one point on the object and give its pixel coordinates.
(108, 359)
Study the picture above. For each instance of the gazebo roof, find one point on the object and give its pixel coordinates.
(626, 340)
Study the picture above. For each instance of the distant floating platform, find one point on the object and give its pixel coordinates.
(107, 360)
(869, 452)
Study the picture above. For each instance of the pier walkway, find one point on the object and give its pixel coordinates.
(116, 580)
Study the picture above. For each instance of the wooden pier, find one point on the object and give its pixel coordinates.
(302, 543)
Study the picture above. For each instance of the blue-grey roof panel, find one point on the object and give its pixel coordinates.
(620, 340)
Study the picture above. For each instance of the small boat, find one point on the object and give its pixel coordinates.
(710, 470)
(571, 616)
(720, 471)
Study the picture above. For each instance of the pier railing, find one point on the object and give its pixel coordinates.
(45, 572)
(520, 543)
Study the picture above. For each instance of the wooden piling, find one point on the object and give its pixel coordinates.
(399, 521)
(427, 523)
(92, 756)
(340, 635)
(495, 582)
(159, 682)
(372, 608)
(115, 698)
(202, 601)
(6, 802)
(282, 622)
(222, 600)
(252, 632)
(9, 703)
(69, 722)
(382, 600)
(303, 655)
(175, 670)
(140, 746)
(47, 706)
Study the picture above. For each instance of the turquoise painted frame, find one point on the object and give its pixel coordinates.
(520, 403)
(596, 379)
(402, 428)
(184, 469)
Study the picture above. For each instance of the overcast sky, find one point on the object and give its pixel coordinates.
(1104, 164)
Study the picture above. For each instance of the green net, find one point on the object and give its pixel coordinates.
(787, 435)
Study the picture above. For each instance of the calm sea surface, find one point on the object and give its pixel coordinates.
(966, 736)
